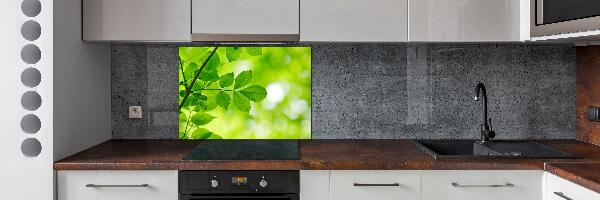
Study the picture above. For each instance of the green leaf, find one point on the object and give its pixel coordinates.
(182, 135)
(254, 93)
(202, 118)
(213, 63)
(200, 96)
(223, 99)
(201, 133)
(241, 102)
(233, 53)
(226, 80)
(214, 136)
(181, 93)
(189, 71)
(187, 53)
(207, 105)
(243, 79)
(209, 72)
(182, 117)
(191, 101)
(209, 76)
(254, 51)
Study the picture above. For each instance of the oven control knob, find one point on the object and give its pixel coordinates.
(214, 183)
(263, 183)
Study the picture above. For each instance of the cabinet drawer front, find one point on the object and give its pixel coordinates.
(477, 185)
(375, 185)
(117, 185)
(560, 189)
(238, 17)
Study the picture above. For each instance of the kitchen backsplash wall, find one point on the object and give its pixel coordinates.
(374, 91)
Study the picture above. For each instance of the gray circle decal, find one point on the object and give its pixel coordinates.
(31, 77)
(31, 147)
(31, 100)
(31, 30)
(31, 8)
(31, 124)
(31, 54)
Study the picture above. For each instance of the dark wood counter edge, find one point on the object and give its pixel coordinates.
(587, 174)
(341, 155)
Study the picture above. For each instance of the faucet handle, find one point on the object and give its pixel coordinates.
(491, 133)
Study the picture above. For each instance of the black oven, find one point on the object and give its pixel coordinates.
(234, 185)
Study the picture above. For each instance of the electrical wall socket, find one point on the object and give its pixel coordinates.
(135, 112)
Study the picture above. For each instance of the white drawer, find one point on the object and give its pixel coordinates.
(343, 185)
(482, 185)
(567, 189)
(162, 185)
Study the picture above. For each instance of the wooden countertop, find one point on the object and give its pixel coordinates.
(314, 155)
(331, 155)
(584, 174)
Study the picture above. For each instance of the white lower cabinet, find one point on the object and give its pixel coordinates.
(314, 184)
(560, 189)
(482, 185)
(117, 185)
(375, 185)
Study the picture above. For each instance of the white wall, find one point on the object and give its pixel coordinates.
(21, 177)
(82, 109)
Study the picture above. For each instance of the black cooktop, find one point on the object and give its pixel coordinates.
(245, 150)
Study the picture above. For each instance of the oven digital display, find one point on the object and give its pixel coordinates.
(239, 180)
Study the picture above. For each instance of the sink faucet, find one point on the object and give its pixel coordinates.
(487, 134)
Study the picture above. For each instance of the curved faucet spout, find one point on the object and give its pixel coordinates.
(481, 88)
(486, 133)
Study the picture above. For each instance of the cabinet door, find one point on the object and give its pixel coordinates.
(117, 185)
(353, 20)
(478, 185)
(314, 184)
(468, 20)
(375, 185)
(560, 189)
(245, 20)
(136, 20)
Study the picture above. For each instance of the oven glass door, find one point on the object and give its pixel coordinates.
(554, 11)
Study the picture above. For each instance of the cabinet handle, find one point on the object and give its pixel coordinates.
(115, 186)
(504, 185)
(376, 184)
(562, 195)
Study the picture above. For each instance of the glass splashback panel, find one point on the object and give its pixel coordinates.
(244, 93)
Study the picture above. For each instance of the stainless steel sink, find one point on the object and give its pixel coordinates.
(470, 149)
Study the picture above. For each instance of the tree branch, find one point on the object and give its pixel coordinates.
(189, 88)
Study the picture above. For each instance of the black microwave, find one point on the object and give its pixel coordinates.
(554, 17)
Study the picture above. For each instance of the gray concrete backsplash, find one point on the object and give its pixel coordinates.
(381, 91)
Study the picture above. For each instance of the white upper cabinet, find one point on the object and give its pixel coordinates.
(468, 20)
(354, 20)
(245, 20)
(136, 20)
